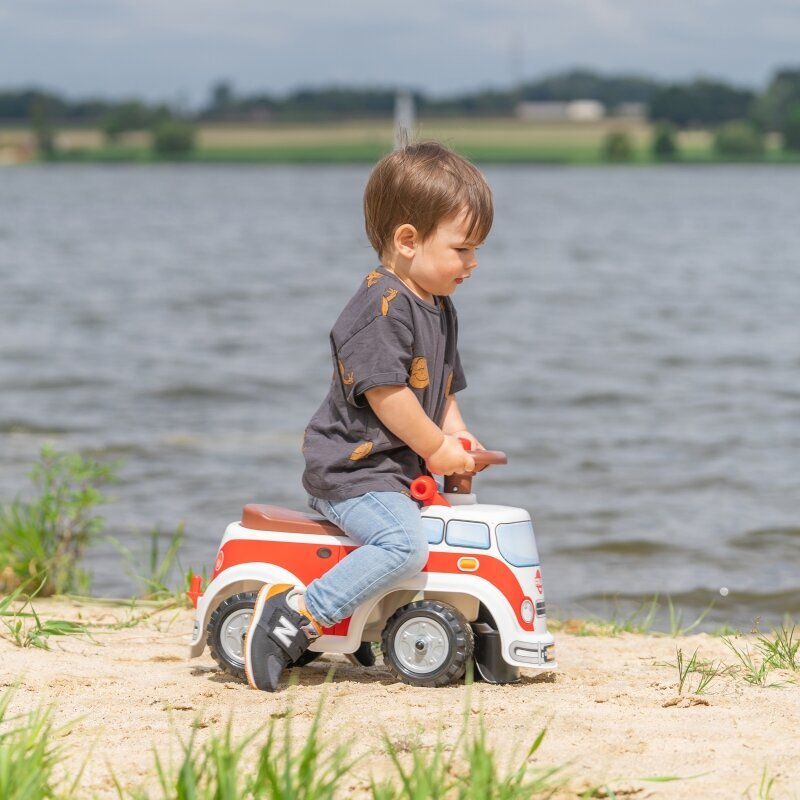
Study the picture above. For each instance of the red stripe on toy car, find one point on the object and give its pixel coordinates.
(490, 569)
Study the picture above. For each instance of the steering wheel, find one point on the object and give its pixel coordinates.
(461, 483)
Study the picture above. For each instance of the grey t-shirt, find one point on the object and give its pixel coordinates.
(385, 336)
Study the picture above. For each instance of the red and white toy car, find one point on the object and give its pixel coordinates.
(479, 598)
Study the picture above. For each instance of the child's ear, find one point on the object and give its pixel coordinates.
(405, 239)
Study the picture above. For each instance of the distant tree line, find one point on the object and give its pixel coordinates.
(698, 103)
(19, 106)
(611, 91)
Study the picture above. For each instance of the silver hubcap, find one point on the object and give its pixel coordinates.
(233, 631)
(421, 645)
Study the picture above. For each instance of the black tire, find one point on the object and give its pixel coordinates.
(226, 629)
(229, 619)
(364, 656)
(427, 643)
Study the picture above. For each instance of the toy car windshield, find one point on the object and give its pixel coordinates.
(517, 544)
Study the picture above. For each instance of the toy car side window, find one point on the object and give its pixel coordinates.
(517, 543)
(461, 533)
(434, 529)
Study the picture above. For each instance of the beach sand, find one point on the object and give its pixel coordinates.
(612, 710)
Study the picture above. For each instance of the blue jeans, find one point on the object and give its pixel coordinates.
(393, 546)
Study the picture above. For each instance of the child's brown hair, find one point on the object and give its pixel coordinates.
(425, 184)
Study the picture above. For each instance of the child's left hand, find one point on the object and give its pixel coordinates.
(474, 444)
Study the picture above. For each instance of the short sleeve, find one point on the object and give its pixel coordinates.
(377, 355)
(459, 379)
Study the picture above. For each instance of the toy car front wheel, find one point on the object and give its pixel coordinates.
(226, 631)
(427, 643)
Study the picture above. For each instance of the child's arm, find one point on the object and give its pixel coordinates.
(453, 424)
(400, 411)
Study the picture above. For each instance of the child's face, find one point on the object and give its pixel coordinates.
(445, 259)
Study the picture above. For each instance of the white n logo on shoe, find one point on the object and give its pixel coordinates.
(285, 631)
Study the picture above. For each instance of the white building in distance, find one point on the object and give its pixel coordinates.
(573, 111)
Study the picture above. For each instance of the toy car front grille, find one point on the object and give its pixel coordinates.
(540, 609)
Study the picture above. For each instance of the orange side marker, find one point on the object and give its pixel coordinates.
(196, 590)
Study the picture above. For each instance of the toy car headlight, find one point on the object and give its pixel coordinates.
(526, 609)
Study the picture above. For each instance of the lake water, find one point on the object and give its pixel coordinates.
(630, 338)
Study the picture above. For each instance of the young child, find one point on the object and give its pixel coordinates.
(391, 413)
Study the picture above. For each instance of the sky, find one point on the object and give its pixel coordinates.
(174, 50)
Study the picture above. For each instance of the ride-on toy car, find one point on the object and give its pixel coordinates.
(479, 598)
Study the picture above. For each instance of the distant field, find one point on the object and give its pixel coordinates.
(488, 141)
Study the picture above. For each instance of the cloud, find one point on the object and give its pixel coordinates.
(155, 48)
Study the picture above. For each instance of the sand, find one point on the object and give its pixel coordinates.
(612, 710)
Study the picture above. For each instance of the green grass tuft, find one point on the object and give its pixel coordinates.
(30, 753)
(467, 770)
(224, 769)
(780, 652)
(676, 617)
(752, 671)
(154, 583)
(26, 629)
(765, 788)
(43, 540)
(704, 672)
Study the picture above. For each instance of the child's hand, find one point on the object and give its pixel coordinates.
(474, 444)
(451, 458)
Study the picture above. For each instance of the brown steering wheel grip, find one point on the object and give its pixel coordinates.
(462, 483)
(485, 458)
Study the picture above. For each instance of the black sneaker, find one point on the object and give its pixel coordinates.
(277, 636)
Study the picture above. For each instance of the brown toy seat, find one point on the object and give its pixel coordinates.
(259, 517)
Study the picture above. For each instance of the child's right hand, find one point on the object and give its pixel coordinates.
(451, 458)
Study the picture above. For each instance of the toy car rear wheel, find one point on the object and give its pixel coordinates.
(427, 643)
(226, 629)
